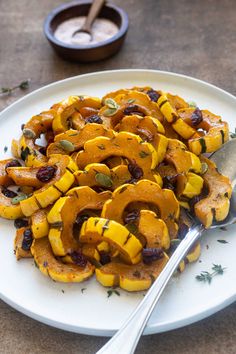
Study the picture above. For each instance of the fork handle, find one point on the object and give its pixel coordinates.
(126, 339)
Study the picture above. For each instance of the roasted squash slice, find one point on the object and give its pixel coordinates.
(18, 250)
(7, 209)
(147, 192)
(124, 144)
(5, 179)
(96, 230)
(128, 103)
(189, 185)
(154, 230)
(77, 138)
(148, 129)
(67, 107)
(39, 223)
(130, 277)
(63, 215)
(216, 204)
(39, 124)
(56, 270)
(217, 131)
(28, 150)
(98, 174)
(24, 176)
(53, 189)
(183, 160)
(30, 153)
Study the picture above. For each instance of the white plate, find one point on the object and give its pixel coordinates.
(185, 300)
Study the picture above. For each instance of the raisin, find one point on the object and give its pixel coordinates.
(79, 259)
(18, 223)
(196, 117)
(133, 109)
(94, 119)
(104, 258)
(8, 193)
(183, 230)
(27, 240)
(131, 216)
(153, 95)
(135, 171)
(46, 173)
(151, 254)
(13, 163)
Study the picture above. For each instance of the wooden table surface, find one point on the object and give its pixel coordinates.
(196, 38)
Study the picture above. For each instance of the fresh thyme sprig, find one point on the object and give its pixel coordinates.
(206, 277)
(8, 90)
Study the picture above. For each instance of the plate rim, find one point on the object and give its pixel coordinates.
(153, 328)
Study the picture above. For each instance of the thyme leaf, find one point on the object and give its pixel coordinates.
(111, 292)
(8, 90)
(206, 277)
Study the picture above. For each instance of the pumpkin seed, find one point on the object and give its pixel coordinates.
(66, 145)
(109, 102)
(18, 198)
(28, 133)
(103, 180)
(204, 168)
(110, 112)
(192, 104)
(143, 154)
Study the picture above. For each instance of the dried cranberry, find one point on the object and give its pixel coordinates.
(131, 216)
(135, 171)
(153, 95)
(18, 223)
(196, 117)
(183, 230)
(79, 259)
(8, 193)
(13, 163)
(27, 240)
(46, 173)
(151, 254)
(94, 119)
(104, 258)
(132, 109)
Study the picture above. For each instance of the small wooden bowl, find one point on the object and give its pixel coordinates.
(90, 52)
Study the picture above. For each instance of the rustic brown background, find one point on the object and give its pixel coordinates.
(197, 38)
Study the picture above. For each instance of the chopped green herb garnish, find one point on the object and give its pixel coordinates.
(83, 289)
(222, 241)
(5, 149)
(206, 277)
(143, 154)
(111, 292)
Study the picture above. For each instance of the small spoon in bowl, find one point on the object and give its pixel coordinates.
(126, 339)
(86, 29)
